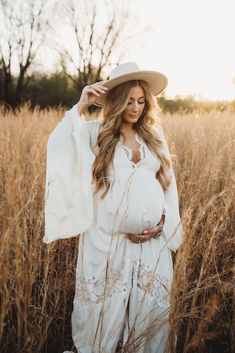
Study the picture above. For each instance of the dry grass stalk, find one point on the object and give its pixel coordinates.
(37, 281)
(202, 317)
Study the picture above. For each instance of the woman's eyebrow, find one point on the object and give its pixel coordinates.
(138, 98)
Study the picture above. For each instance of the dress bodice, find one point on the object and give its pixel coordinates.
(123, 158)
(135, 196)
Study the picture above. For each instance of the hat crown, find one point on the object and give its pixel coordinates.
(128, 72)
(124, 69)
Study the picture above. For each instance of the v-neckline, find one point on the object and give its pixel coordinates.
(130, 151)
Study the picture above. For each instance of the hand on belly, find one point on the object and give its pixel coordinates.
(147, 234)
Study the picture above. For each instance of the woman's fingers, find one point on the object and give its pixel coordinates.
(89, 95)
(138, 238)
(101, 89)
(96, 89)
(153, 231)
(94, 92)
(135, 238)
(145, 236)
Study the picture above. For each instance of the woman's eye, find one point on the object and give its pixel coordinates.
(138, 103)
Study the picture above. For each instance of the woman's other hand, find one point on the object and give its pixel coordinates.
(89, 94)
(147, 234)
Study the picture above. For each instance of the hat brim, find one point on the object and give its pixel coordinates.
(156, 80)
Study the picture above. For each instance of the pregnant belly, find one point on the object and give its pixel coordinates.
(145, 203)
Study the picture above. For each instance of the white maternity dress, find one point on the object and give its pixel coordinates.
(122, 288)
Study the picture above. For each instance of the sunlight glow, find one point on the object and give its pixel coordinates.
(193, 43)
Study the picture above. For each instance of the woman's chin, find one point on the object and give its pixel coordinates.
(131, 119)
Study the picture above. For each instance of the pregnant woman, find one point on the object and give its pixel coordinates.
(112, 183)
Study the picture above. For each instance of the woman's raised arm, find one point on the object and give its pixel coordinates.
(68, 189)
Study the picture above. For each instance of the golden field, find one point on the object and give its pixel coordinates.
(37, 280)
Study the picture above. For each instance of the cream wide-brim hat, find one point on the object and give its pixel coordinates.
(130, 71)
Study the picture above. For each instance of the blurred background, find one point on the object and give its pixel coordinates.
(50, 49)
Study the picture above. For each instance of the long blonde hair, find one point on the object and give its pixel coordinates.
(115, 104)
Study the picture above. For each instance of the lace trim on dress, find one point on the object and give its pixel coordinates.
(129, 150)
(95, 289)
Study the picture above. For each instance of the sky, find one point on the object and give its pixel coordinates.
(193, 43)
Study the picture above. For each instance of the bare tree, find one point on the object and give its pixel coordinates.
(98, 36)
(23, 25)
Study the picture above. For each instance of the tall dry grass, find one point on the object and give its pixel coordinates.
(202, 318)
(37, 280)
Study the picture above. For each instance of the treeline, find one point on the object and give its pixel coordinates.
(87, 54)
(57, 89)
(189, 104)
(68, 33)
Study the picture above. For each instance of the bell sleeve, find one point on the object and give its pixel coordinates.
(172, 228)
(68, 189)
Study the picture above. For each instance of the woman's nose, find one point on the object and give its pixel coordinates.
(135, 107)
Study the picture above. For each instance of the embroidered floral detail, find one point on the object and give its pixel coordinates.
(152, 282)
(93, 289)
(96, 289)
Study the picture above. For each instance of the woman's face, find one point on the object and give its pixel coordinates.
(135, 106)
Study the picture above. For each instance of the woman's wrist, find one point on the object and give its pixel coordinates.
(81, 107)
(162, 221)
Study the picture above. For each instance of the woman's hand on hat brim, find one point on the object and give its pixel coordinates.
(90, 94)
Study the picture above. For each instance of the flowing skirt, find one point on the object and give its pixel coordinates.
(122, 294)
